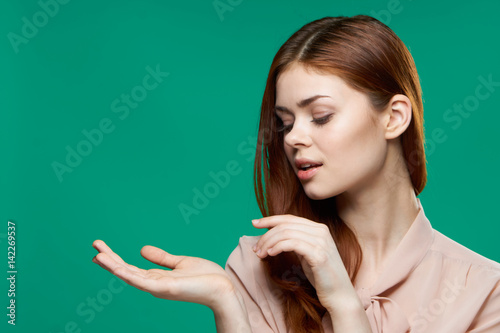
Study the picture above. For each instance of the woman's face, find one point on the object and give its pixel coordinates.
(331, 124)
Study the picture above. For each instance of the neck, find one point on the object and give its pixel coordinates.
(379, 216)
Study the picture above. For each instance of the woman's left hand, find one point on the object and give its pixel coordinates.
(316, 250)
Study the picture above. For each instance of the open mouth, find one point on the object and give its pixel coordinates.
(310, 166)
(308, 171)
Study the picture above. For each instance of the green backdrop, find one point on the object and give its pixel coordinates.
(114, 114)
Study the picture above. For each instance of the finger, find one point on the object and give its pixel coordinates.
(138, 278)
(101, 246)
(160, 257)
(305, 249)
(111, 265)
(282, 230)
(119, 262)
(94, 260)
(288, 234)
(274, 220)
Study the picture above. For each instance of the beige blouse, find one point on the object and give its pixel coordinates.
(431, 284)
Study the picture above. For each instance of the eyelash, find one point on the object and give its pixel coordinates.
(319, 122)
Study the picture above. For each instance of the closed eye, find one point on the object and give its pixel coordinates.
(318, 121)
(322, 120)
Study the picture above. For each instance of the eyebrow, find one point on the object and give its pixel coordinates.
(301, 104)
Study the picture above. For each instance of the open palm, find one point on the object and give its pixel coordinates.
(191, 279)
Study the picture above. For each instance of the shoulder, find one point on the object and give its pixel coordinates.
(479, 282)
(243, 260)
(449, 249)
(249, 240)
(244, 247)
(476, 277)
(460, 289)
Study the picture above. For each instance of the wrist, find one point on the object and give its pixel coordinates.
(349, 315)
(227, 302)
(345, 304)
(231, 314)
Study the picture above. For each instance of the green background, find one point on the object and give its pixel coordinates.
(127, 191)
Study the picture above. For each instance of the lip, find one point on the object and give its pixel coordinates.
(300, 161)
(309, 173)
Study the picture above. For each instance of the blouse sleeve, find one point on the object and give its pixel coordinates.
(246, 272)
(487, 319)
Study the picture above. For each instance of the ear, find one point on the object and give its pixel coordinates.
(397, 116)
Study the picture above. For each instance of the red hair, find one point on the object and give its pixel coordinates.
(370, 58)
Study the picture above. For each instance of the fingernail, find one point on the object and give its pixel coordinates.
(258, 252)
(254, 247)
(255, 221)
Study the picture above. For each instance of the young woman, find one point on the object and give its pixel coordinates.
(339, 164)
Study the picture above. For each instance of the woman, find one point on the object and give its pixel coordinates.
(338, 167)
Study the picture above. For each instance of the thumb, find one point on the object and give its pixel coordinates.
(160, 257)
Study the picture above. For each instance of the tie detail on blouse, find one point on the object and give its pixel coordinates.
(383, 312)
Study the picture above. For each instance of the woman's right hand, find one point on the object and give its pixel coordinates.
(191, 279)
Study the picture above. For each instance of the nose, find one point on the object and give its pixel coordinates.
(298, 135)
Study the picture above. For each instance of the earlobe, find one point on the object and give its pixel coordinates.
(400, 114)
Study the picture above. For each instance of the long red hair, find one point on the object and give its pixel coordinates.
(370, 58)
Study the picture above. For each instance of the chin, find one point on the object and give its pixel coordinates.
(315, 194)
(318, 193)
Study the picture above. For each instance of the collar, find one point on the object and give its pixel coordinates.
(408, 254)
(384, 313)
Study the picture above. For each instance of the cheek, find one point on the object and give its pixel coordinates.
(353, 148)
